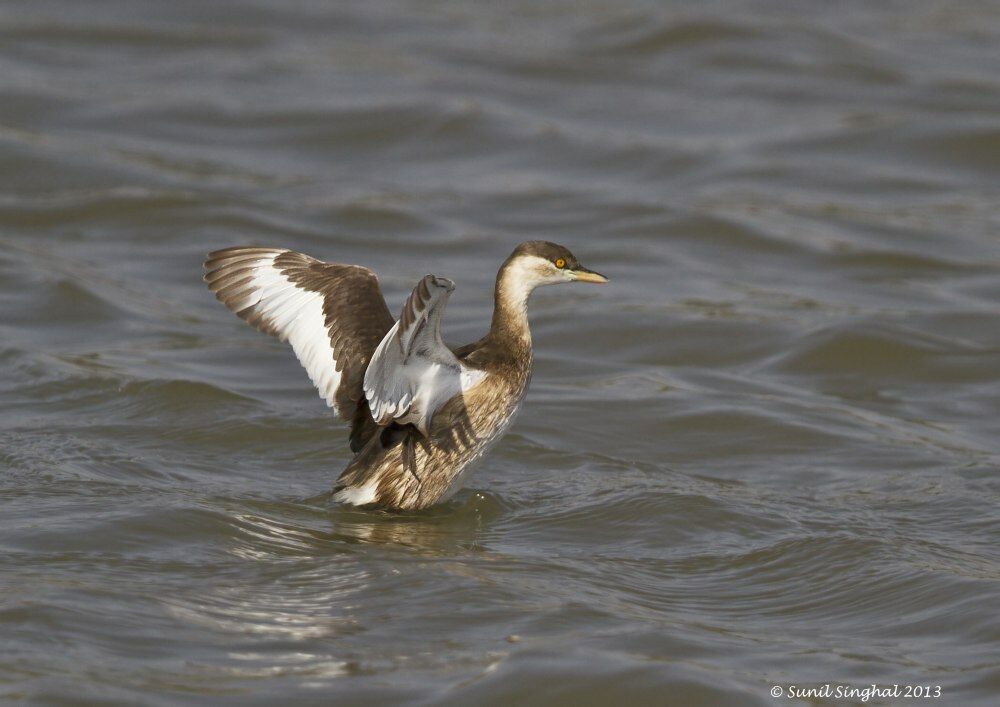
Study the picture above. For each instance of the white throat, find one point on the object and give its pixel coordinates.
(520, 279)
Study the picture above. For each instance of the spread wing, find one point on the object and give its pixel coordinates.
(333, 316)
(412, 373)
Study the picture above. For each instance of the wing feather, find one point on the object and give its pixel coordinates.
(412, 372)
(333, 315)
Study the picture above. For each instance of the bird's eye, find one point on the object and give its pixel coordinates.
(560, 263)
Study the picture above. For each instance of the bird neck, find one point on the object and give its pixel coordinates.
(509, 329)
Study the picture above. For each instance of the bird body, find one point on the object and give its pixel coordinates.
(421, 413)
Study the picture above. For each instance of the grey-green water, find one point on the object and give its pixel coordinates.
(766, 454)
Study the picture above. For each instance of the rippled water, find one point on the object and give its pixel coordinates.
(767, 454)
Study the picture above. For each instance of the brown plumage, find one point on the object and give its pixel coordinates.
(439, 409)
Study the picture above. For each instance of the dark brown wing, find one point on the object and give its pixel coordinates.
(333, 315)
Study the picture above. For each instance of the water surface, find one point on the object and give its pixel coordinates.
(766, 454)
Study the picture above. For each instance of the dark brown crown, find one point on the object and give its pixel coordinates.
(545, 249)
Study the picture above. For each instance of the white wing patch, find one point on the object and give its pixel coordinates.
(295, 315)
(412, 373)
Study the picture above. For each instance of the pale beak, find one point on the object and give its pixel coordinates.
(582, 274)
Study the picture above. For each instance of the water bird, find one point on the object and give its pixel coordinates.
(420, 413)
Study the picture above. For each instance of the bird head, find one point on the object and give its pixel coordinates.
(537, 263)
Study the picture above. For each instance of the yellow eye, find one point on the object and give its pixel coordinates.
(560, 263)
